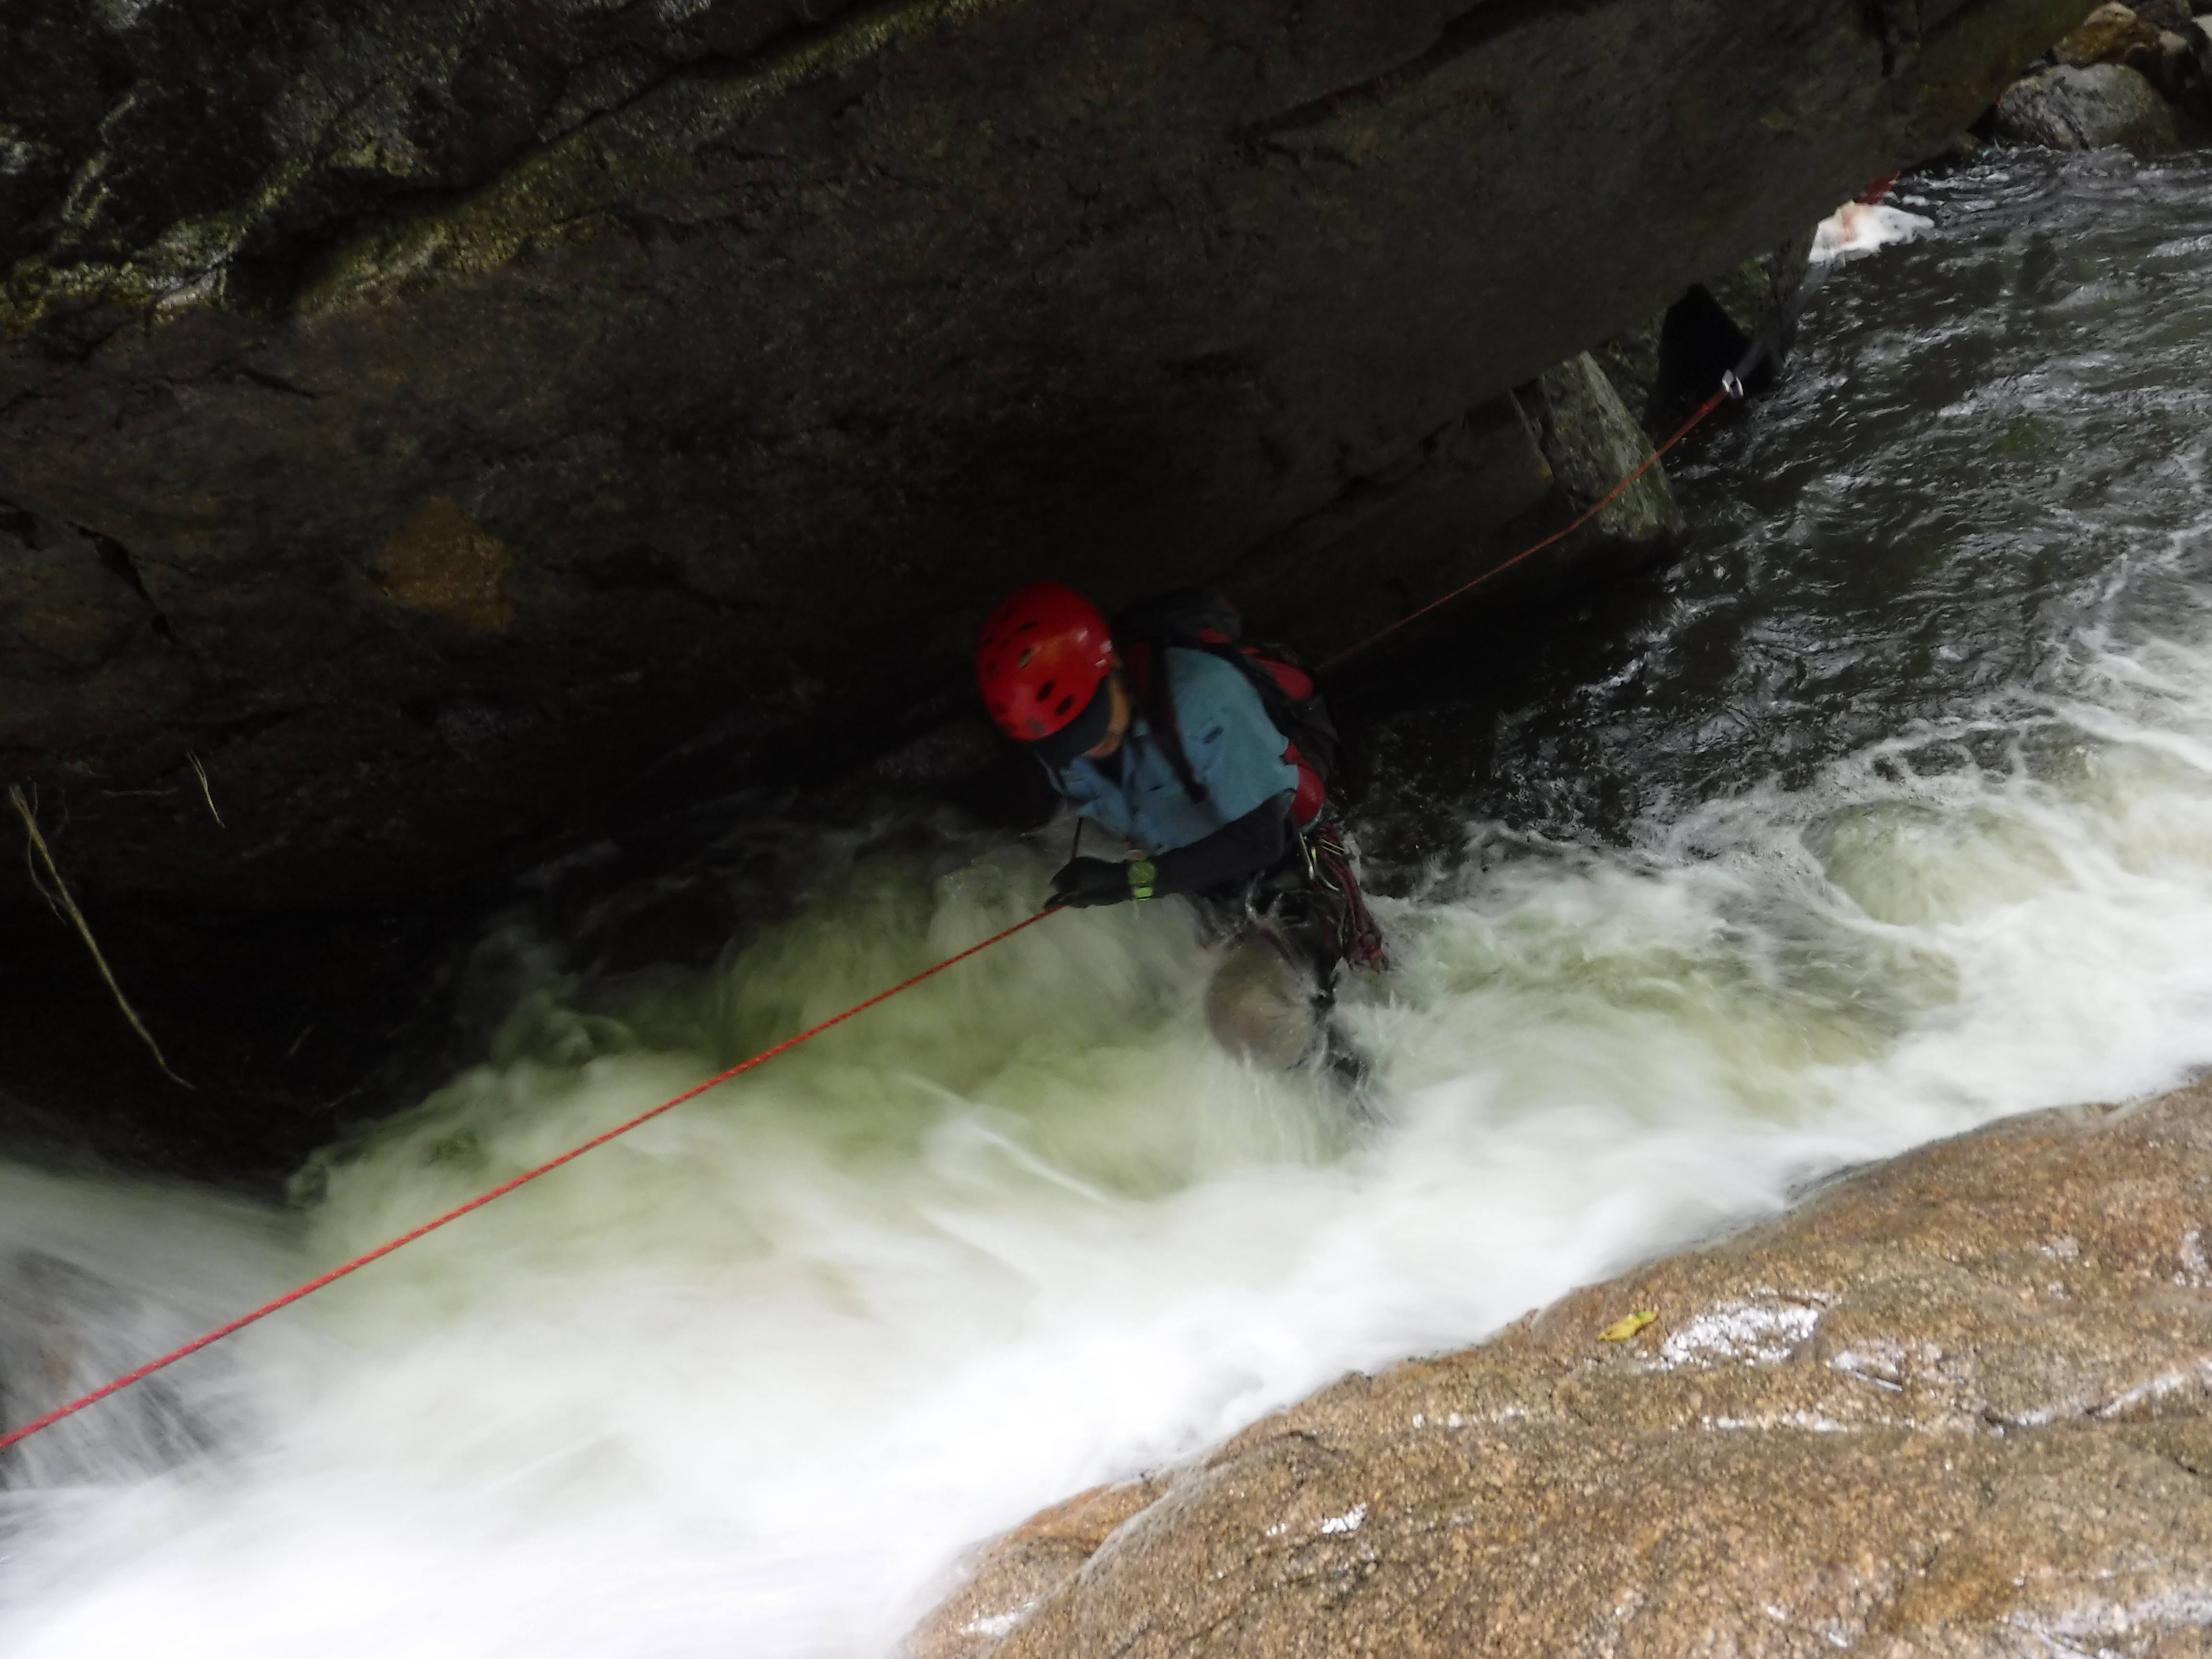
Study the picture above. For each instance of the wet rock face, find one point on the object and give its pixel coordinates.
(1959, 1404)
(240, 130)
(468, 399)
(64, 1330)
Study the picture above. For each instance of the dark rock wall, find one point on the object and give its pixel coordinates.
(424, 412)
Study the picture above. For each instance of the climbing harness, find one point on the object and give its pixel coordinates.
(1329, 852)
(1330, 867)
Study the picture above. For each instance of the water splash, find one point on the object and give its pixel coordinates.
(1914, 827)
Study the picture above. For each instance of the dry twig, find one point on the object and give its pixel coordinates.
(60, 889)
(205, 789)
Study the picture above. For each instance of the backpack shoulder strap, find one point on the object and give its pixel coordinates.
(1154, 686)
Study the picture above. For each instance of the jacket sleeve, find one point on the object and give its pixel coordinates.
(1243, 847)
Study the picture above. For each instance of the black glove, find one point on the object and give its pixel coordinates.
(1083, 883)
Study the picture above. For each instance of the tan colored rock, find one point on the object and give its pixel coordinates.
(1014, 1573)
(2106, 36)
(1956, 1404)
(443, 561)
(60, 598)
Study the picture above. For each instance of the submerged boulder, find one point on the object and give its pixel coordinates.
(65, 1330)
(2092, 108)
(1957, 1403)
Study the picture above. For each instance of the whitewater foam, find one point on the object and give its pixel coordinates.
(750, 1380)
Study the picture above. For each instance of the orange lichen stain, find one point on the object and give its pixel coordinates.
(443, 561)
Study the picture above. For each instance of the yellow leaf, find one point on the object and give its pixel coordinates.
(1622, 1329)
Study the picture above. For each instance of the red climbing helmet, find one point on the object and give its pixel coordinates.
(1042, 664)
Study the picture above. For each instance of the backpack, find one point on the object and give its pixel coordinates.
(1192, 619)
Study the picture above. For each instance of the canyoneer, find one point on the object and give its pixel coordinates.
(1211, 759)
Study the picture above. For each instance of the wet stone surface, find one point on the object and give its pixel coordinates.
(1956, 1404)
(465, 402)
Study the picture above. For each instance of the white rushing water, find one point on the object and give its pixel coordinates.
(747, 1381)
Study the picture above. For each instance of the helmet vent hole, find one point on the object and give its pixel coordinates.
(1044, 691)
(1066, 703)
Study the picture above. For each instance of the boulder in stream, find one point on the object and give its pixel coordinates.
(2091, 108)
(1958, 1403)
(1593, 442)
(2106, 36)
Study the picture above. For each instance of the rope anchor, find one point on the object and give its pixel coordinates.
(1724, 395)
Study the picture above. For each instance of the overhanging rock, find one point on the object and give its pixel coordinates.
(434, 407)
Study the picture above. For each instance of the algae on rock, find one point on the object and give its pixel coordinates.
(1592, 443)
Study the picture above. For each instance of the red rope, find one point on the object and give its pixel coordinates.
(499, 1191)
(1552, 540)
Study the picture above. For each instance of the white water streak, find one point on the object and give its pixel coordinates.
(762, 1370)
(748, 1382)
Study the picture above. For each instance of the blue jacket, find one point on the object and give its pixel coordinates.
(1234, 750)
